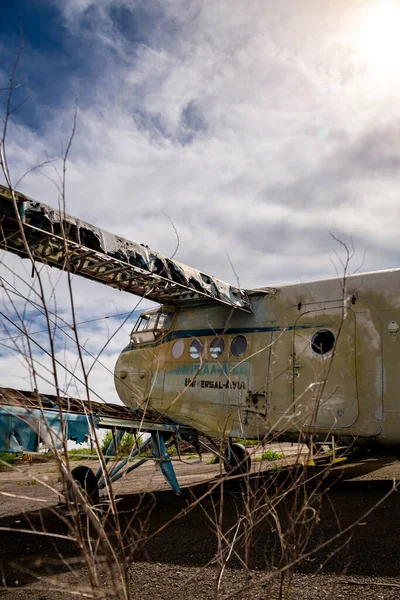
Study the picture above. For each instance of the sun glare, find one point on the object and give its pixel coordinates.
(378, 37)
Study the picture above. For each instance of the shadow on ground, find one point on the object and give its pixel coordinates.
(180, 530)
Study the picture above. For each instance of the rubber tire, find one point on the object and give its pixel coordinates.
(88, 482)
(239, 462)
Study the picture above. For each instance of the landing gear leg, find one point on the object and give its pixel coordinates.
(237, 459)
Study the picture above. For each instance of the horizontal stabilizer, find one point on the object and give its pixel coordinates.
(62, 241)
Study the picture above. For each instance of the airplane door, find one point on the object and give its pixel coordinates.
(325, 389)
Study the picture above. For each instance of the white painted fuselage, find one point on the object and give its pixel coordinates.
(319, 358)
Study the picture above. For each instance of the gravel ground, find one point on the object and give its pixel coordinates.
(176, 555)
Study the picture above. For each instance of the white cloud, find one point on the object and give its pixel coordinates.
(256, 127)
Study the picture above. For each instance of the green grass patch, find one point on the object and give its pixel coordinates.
(276, 467)
(272, 455)
(8, 460)
(172, 451)
(82, 453)
(245, 441)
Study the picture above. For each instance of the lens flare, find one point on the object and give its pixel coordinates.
(377, 37)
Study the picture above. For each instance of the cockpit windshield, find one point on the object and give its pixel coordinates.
(153, 320)
(146, 322)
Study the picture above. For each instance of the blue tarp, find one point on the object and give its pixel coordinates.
(22, 429)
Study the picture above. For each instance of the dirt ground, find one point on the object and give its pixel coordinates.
(175, 556)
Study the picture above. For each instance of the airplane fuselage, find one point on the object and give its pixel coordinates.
(321, 357)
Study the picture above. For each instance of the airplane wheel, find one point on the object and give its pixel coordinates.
(238, 461)
(88, 482)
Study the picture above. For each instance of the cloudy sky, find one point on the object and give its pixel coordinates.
(257, 126)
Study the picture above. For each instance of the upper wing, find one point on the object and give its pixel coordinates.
(62, 241)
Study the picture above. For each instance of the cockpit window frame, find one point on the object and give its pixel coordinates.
(144, 318)
(149, 321)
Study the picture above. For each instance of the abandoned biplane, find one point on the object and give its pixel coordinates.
(316, 359)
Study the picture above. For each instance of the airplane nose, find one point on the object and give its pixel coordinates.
(131, 377)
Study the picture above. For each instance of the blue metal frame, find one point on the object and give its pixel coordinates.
(160, 453)
(116, 473)
(159, 439)
(22, 429)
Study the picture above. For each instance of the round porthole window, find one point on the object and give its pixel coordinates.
(322, 341)
(217, 347)
(239, 345)
(196, 348)
(178, 348)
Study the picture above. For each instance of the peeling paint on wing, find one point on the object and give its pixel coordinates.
(134, 267)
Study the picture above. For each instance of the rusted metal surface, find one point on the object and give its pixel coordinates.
(63, 241)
